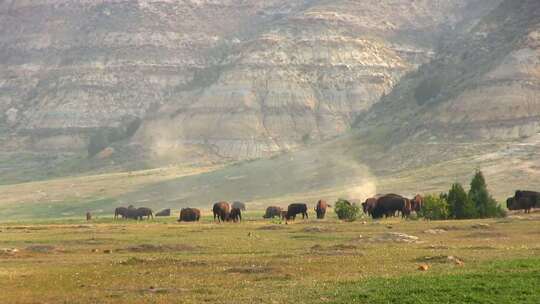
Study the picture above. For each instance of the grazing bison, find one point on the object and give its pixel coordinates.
(120, 211)
(221, 211)
(164, 212)
(416, 203)
(389, 204)
(320, 209)
(524, 203)
(235, 215)
(142, 212)
(369, 205)
(295, 209)
(272, 212)
(239, 205)
(189, 215)
(534, 197)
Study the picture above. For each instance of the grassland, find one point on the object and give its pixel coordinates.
(262, 261)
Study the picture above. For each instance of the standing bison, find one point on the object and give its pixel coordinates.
(189, 215)
(388, 205)
(121, 211)
(236, 215)
(164, 212)
(320, 209)
(272, 212)
(221, 211)
(295, 209)
(239, 205)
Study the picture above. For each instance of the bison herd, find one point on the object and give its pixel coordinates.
(383, 205)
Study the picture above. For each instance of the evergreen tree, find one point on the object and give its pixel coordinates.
(484, 204)
(459, 203)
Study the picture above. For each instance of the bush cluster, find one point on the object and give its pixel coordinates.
(458, 204)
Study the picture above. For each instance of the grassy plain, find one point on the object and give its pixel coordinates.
(264, 261)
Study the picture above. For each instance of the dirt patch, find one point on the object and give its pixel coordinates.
(160, 248)
(316, 229)
(486, 235)
(272, 227)
(161, 261)
(253, 269)
(336, 250)
(448, 228)
(43, 249)
(440, 259)
(435, 231)
(396, 237)
(480, 226)
(480, 248)
(437, 247)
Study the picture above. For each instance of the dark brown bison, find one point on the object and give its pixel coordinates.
(320, 209)
(189, 215)
(143, 211)
(534, 197)
(239, 205)
(120, 211)
(283, 214)
(221, 211)
(388, 205)
(416, 203)
(369, 205)
(272, 212)
(88, 216)
(164, 212)
(295, 209)
(235, 215)
(524, 203)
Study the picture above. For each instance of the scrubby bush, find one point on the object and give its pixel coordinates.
(435, 207)
(345, 210)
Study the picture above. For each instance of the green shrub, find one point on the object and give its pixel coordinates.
(435, 207)
(461, 206)
(345, 210)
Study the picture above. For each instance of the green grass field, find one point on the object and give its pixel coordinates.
(264, 261)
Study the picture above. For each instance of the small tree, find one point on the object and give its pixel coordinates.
(484, 204)
(435, 207)
(460, 205)
(345, 210)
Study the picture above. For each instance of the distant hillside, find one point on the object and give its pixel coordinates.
(212, 80)
(484, 85)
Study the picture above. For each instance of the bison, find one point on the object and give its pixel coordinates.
(120, 211)
(416, 203)
(320, 209)
(534, 197)
(143, 211)
(189, 215)
(389, 204)
(272, 212)
(239, 205)
(221, 211)
(164, 212)
(235, 215)
(524, 203)
(295, 209)
(369, 205)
